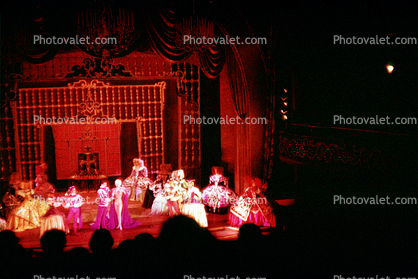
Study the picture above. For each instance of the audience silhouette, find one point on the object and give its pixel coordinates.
(181, 249)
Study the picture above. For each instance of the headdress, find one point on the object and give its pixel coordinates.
(177, 174)
(190, 182)
(139, 161)
(70, 189)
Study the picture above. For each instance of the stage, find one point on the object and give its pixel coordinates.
(217, 225)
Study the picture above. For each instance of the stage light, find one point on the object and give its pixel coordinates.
(390, 68)
(284, 117)
(285, 104)
(285, 90)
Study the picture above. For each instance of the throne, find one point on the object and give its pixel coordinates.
(88, 176)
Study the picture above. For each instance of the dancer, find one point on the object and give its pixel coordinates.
(159, 204)
(3, 225)
(43, 187)
(117, 196)
(174, 191)
(103, 201)
(53, 218)
(119, 217)
(29, 213)
(74, 201)
(9, 202)
(193, 206)
(215, 195)
(252, 207)
(138, 181)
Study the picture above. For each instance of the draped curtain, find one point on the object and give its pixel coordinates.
(155, 30)
(155, 24)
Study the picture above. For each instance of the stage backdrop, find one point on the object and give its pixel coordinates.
(102, 141)
(36, 108)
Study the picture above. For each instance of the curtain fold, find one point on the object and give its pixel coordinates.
(212, 61)
(155, 30)
(237, 83)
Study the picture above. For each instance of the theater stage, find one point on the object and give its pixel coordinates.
(217, 225)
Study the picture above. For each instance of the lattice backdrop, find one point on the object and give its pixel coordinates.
(21, 141)
(142, 103)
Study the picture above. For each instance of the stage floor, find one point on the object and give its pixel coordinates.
(217, 225)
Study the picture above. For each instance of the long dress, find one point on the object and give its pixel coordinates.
(127, 221)
(138, 181)
(53, 219)
(217, 196)
(252, 207)
(194, 208)
(28, 215)
(159, 204)
(101, 217)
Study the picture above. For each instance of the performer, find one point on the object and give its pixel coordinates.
(103, 200)
(74, 201)
(119, 217)
(3, 225)
(28, 214)
(193, 206)
(138, 181)
(252, 207)
(174, 191)
(43, 187)
(159, 205)
(53, 218)
(9, 202)
(117, 196)
(215, 195)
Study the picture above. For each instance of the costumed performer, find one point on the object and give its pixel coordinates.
(53, 218)
(119, 217)
(28, 214)
(215, 195)
(252, 207)
(43, 187)
(103, 200)
(138, 181)
(175, 191)
(159, 205)
(193, 206)
(74, 201)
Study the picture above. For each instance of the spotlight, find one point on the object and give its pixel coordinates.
(390, 68)
(284, 117)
